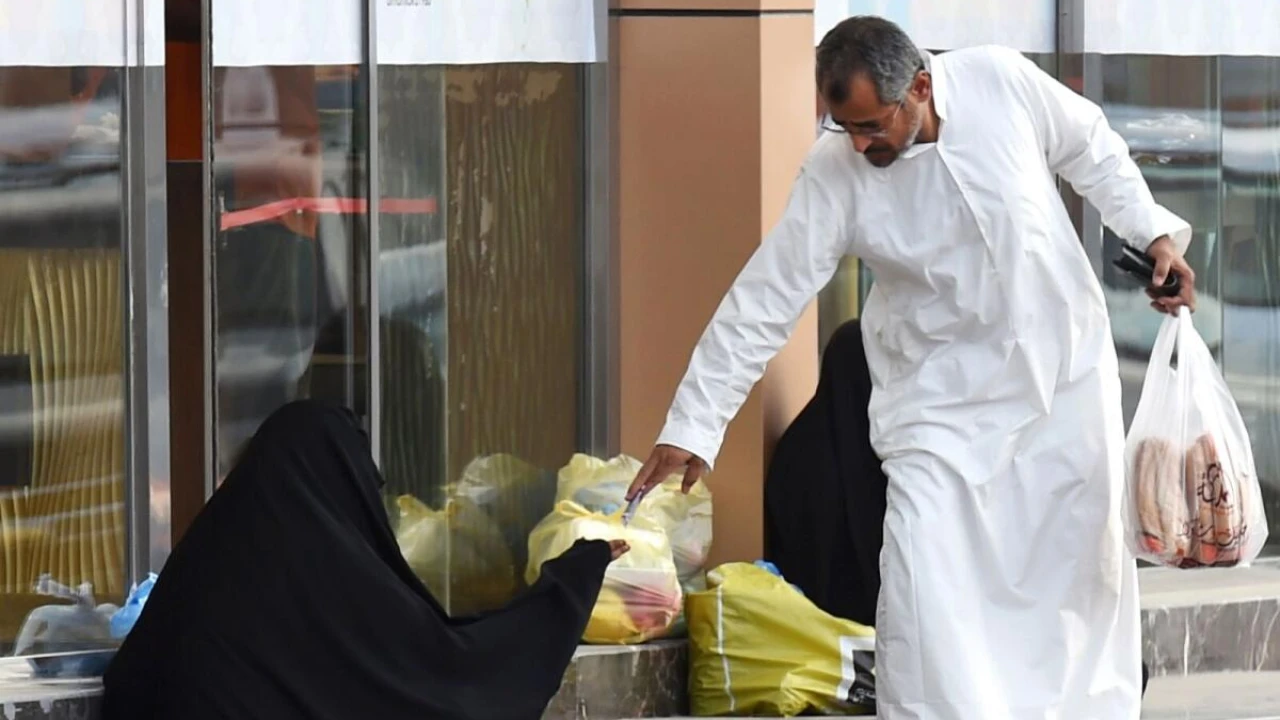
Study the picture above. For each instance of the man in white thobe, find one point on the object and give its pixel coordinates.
(1007, 590)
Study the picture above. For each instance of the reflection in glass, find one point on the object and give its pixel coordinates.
(1204, 130)
(288, 170)
(61, 341)
(1167, 110)
(1250, 260)
(412, 279)
(480, 298)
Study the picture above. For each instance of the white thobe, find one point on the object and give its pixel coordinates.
(1007, 591)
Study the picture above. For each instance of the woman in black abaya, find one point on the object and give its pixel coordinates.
(289, 598)
(824, 494)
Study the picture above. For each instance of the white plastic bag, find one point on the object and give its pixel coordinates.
(1193, 497)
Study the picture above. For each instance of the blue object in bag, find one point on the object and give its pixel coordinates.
(766, 565)
(773, 570)
(125, 618)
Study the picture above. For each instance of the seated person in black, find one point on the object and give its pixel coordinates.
(824, 495)
(288, 598)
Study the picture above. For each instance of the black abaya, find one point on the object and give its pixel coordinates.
(289, 598)
(824, 494)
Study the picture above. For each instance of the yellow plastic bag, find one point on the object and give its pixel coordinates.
(458, 553)
(601, 486)
(515, 494)
(641, 597)
(759, 647)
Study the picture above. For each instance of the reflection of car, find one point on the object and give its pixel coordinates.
(1246, 143)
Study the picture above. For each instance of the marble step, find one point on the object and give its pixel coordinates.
(602, 683)
(1194, 623)
(1211, 620)
(1214, 696)
(24, 697)
(648, 682)
(615, 683)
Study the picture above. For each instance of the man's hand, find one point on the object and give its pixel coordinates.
(664, 462)
(1169, 260)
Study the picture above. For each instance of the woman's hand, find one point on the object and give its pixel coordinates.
(618, 548)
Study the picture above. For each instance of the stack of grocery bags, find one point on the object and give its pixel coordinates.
(482, 544)
(757, 645)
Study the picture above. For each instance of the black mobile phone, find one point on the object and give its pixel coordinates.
(1140, 267)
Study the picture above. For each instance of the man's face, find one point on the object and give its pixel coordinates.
(878, 131)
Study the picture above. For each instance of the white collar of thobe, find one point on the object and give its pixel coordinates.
(937, 73)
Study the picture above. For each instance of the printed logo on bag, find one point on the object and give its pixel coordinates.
(857, 671)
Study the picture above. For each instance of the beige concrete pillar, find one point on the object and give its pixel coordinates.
(715, 116)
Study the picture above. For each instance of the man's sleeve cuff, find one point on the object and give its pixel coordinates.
(1164, 222)
(691, 441)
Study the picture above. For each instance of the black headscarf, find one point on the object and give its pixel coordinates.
(289, 598)
(825, 491)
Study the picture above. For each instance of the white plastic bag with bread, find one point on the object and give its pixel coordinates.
(1193, 498)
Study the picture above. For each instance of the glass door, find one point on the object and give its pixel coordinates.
(83, 326)
(289, 149)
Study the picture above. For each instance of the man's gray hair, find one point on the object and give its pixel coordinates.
(871, 45)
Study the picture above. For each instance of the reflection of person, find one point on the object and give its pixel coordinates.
(267, 150)
(288, 598)
(44, 110)
(268, 136)
(1007, 591)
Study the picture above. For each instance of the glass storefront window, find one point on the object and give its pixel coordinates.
(1249, 259)
(1204, 131)
(479, 272)
(289, 161)
(1166, 108)
(481, 290)
(62, 335)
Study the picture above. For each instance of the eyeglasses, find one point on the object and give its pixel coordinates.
(830, 125)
